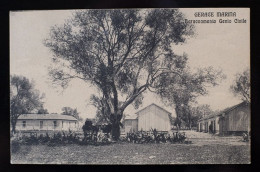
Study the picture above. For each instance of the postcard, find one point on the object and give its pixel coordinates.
(130, 86)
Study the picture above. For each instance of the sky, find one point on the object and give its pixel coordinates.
(224, 46)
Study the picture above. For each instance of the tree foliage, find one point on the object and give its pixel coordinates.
(71, 112)
(121, 52)
(183, 89)
(241, 86)
(23, 98)
(41, 110)
(200, 111)
(102, 113)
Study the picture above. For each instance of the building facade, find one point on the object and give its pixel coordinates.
(150, 117)
(131, 124)
(233, 120)
(46, 122)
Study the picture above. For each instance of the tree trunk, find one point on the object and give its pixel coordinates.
(115, 131)
(189, 118)
(13, 126)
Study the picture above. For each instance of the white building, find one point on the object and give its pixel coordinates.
(46, 122)
(232, 120)
(150, 117)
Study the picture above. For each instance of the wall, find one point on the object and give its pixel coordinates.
(235, 121)
(203, 126)
(153, 117)
(131, 125)
(47, 125)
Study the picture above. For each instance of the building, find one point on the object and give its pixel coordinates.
(46, 122)
(131, 124)
(232, 120)
(150, 117)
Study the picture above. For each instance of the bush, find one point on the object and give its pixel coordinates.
(143, 137)
(71, 137)
(31, 140)
(246, 136)
(56, 140)
(93, 134)
(155, 137)
(62, 138)
(44, 139)
(177, 138)
(15, 146)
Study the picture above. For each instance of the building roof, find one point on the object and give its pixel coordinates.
(131, 117)
(210, 116)
(154, 105)
(226, 110)
(47, 117)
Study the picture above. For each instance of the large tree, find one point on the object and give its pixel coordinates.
(121, 52)
(241, 86)
(23, 98)
(182, 90)
(102, 113)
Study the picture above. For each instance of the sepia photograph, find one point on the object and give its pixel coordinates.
(130, 86)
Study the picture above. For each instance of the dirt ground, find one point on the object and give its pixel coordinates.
(200, 139)
(205, 149)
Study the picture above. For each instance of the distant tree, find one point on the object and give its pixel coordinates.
(121, 52)
(182, 90)
(23, 98)
(177, 122)
(41, 110)
(200, 112)
(71, 112)
(241, 86)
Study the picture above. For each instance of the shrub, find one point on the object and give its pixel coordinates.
(55, 140)
(93, 134)
(31, 140)
(155, 137)
(246, 136)
(15, 146)
(106, 128)
(63, 138)
(177, 137)
(44, 139)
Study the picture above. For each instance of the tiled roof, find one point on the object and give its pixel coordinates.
(47, 116)
(154, 105)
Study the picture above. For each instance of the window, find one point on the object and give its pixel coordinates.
(41, 124)
(55, 124)
(24, 124)
(62, 124)
(75, 124)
